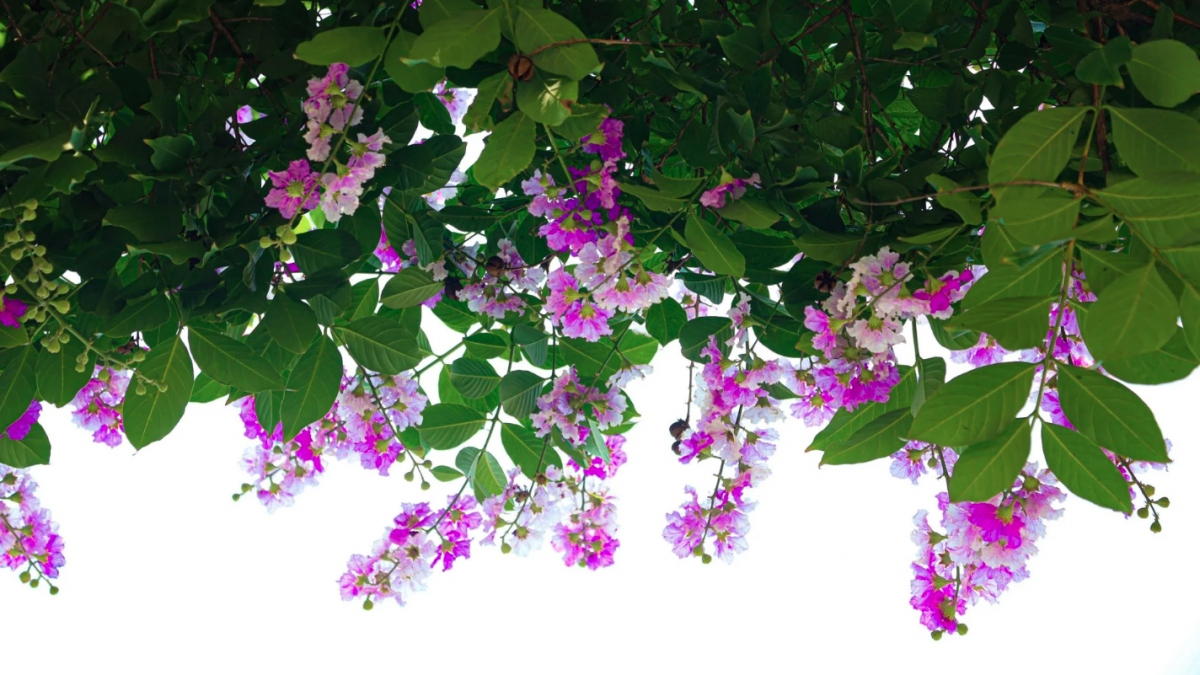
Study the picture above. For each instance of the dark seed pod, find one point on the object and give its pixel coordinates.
(453, 286)
(675, 448)
(825, 281)
(677, 429)
(495, 266)
(520, 67)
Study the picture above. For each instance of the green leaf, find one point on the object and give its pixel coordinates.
(448, 425)
(664, 320)
(32, 450)
(1036, 148)
(695, 334)
(986, 469)
(527, 451)
(536, 28)
(146, 222)
(1009, 281)
(975, 406)
(446, 474)
(409, 288)
(750, 212)
(830, 248)
(57, 379)
(535, 344)
(352, 45)
(1166, 72)
(366, 298)
(1172, 362)
(547, 99)
(459, 41)
(911, 14)
(320, 250)
(1189, 309)
(1037, 220)
(1016, 323)
(381, 345)
(1163, 208)
(1103, 66)
(435, 11)
(584, 120)
(479, 115)
(846, 422)
(18, 384)
(1084, 468)
(1156, 141)
(433, 113)
(171, 153)
(914, 41)
(742, 47)
(205, 389)
(713, 248)
(409, 77)
(595, 446)
(879, 438)
(1133, 315)
(230, 362)
(1107, 412)
(488, 478)
(508, 152)
(152, 415)
(291, 323)
(473, 378)
(965, 204)
(312, 387)
(519, 392)
(653, 199)
(485, 345)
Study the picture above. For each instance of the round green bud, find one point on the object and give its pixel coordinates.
(706, 558)
(25, 577)
(289, 238)
(936, 635)
(29, 215)
(103, 375)
(53, 346)
(265, 242)
(962, 629)
(1163, 502)
(141, 389)
(64, 337)
(1156, 527)
(427, 464)
(80, 366)
(1149, 490)
(54, 590)
(368, 605)
(409, 476)
(34, 583)
(17, 253)
(505, 548)
(161, 386)
(285, 256)
(236, 496)
(12, 237)
(30, 204)
(29, 236)
(39, 250)
(424, 485)
(1143, 512)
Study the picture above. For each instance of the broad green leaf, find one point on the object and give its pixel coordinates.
(1107, 412)
(750, 212)
(535, 344)
(205, 390)
(1016, 323)
(536, 29)
(595, 446)
(1042, 278)
(713, 248)
(1172, 362)
(488, 478)
(320, 250)
(880, 437)
(653, 199)
(381, 345)
(1036, 148)
(986, 469)
(312, 387)
(57, 378)
(473, 378)
(485, 345)
(742, 47)
(965, 204)
(446, 474)
(448, 425)
(409, 77)
(142, 316)
(148, 223)
(291, 323)
(952, 338)
(547, 99)
(584, 120)
(1155, 141)
(911, 14)
(694, 336)
(508, 152)
(527, 451)
(433, 113)
(459, 41)
(152, 415)
(519, 392)
(1163, 208)
(1166, 72)
(664, 320)
(479, 115)
(32, 450)
(18, 384)
(914, 41)
(1189, 309)
(674, 187)
(1104, 267)
(448, 393)
(366, 298)
(1103, 66)
(975, 406)
(1084, 469)
(846, 422)
(1038, 220)
(170, 153)
(230, 362)
(409, 287)
(1134, 315)
(434, 11)
(352, 45)
(830, 248)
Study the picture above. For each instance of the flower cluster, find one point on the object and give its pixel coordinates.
(505, 278)
(730, 188)
(569, 405)
(280, 470)
(19, 429)
(11, 311)
(332, 106)
(29, 538)
(983, 547)
(98, 405)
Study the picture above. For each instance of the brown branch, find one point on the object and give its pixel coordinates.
(79, 37)
(12, 19)
(1178, 17)
(813, 28)
(1076, 189)
(867, 114)
(1101, 131)
(601, 41)
(153, 63)
(220, 28)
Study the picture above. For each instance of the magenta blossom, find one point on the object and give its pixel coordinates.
(11, 311)
(294, 189)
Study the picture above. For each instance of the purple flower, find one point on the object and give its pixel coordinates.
(19, 429)
(98, 403)
(731, 188)
(11, 311)
(294, 189)
(606, 141)
(29, 538)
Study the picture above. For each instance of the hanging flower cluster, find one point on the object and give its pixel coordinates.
(29, 538)
(98, 405)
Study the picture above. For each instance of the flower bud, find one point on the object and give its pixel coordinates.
(103, 375)
(289, 237)
(962, 629)
(285, 256)
(425, 485)
(677, 428)
(265, 242)
(30, 204)
(706, 558)
(12, 237)
(1149, 490)
(409, 476)
(29, 236)
(141, 389)
(29, 215)
(61, 306)
(505, 548)
(25, 577)
(39, 250)
(1143, 512)
(1156, 527)
(54, 590)
(34, 583)
(367, 604)
(936, 635)
(1163, 502)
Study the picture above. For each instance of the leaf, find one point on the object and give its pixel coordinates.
(742, 47)
(527, 451)
(664, 320)
(18, 384)
(653, 199)
(1084, 469)
(1016, 323)
(914, 41)
(1009, 281)
(434, 11)
(750, 212)
(473, 378)
(1036, 148)
(547, 99)
(846, 422)
(1107, 412)
(459, 41)
(1189, 309)
(433, 113)
(1172, 362)
(320, 250)
(493, 87)
(535, 28)
(446, 474)
(410, 287)
(485, 345)
(830, 248)
(965, 204)
(713, 248)
(147, 222)
(230, 362)
(1135, 314)
(171, 153)
(33, 450)
(584, 120)
(1156, 141)
(1037, 220)
(519, 392)
(291, 323)
(366, 298)
(352, 45)
(694, 336)
(879, 438)
(151, 416)
(1103, 66)
(488, 478)
(381, 345)
(508, 152)
(57, 378)
(1166, 72)
(409, 77)
(1163, 208)
(911, 14)
(975, 406)
(312, 387)
(535, 344)
(448, 425)
(205, 389)
(986, 469)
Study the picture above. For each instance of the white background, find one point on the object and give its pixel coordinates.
(166, 574)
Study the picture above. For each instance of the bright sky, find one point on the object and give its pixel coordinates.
(165, 573)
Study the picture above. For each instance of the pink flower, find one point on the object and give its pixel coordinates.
(97, 405)
(29, 538)
(573, 311)
(606, 141)
(11, 311)
(733, 188)
(293, 189)
(19, 429)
